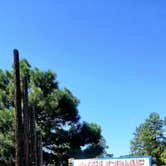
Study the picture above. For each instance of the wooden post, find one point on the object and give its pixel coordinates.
(70, 161)
(26, 121)
(39, 151)
(18, 119)
(32, 146)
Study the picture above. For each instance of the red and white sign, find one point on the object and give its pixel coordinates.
(142, 161)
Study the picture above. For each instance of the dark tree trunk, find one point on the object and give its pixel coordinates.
(26, 121)
(39, 151)
(18, 120)
(33, 146)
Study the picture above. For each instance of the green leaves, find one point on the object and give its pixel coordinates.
(6, 136)
(6, 89)
(149, 138)
(6, 121)
(57, 119)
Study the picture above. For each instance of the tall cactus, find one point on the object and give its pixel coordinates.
(18, 119)
(33, 146)
(39, 150)
(28, 145)
(26, 121)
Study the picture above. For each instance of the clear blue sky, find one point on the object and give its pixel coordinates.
(110, 54)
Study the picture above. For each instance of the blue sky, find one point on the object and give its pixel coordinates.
(110, 54)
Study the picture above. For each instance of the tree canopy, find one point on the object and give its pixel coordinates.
(149, 139)
(64, 134)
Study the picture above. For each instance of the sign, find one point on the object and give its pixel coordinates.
(130, 161)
